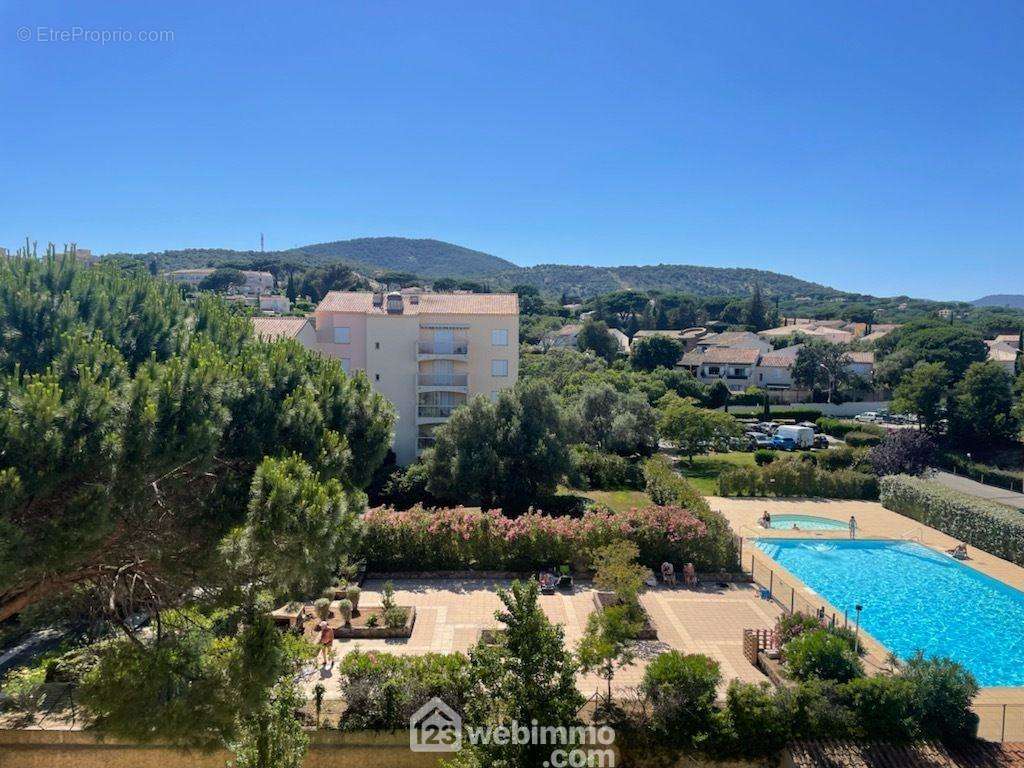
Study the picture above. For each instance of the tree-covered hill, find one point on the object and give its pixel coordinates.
(427, 258)
(1014, 300)
(699, 281)
(434, 259)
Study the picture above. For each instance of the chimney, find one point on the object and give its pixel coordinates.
(395, 303)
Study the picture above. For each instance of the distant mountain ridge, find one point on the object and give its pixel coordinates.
(1014, 300)
(435, 259)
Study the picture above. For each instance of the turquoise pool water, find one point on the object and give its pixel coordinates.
(916, 598)
(807, 523)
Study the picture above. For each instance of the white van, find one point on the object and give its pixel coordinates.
(802, 436)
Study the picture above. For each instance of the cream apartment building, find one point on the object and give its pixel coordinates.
(427, 353)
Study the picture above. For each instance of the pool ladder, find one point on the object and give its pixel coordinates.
(914, 534)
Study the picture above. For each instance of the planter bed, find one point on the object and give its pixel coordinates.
(604, 600)
(359, 630)
(409, 575)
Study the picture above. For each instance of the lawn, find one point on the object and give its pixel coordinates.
(704, 471)
(619, 501)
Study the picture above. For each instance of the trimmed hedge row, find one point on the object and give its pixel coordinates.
(797, 478)
(989, 526)
(840, 428)
(861, 439)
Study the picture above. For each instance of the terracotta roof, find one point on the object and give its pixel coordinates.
(781, 358)
(730, 355)
(566, 330)
(429, 304)
(270, 328)
(1010, 339)
(861, 357)
(843, 754)
(726, 338)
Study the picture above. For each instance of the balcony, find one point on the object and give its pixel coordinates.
(422, 443)
(435, 411)
(441, 381)
(443, 348)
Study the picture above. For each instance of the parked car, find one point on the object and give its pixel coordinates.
(809, 425)
(802, 437)
(768, 427)
(821, 441)
(869, 417)
(782, 444)
(763, 441)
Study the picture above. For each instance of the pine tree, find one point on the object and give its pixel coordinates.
(755, 311)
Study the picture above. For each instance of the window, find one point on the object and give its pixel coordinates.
(342, 334)
(499, 337)
(376, 345)
(346, 363)
(494, 395)
(499, 367)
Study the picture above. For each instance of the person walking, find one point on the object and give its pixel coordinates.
(326, 643)
(853, 527)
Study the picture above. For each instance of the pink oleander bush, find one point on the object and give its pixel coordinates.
(460, 538)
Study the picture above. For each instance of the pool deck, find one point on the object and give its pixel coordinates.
(874, 522)
(450, 614)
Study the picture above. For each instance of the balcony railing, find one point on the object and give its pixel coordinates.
(435, 411)
(425, 442)
(435, 347)
(443, 379)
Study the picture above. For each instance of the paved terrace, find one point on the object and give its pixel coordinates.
(450, 614)
(877, 522)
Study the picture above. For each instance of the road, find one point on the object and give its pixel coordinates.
(966, 485)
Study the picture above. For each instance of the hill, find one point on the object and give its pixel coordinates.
(427, 258)
(1014, 300)
(434, 259)
(700, 281)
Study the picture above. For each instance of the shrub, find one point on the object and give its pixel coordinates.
(590, 468)
(322, 607)
(23, 688)
(902, 452)
(681, 690)
(944, 691)
(844, 457)
(383, 690)
(763, 456)
(983, 473)
(884, 707)
(345, 609)
(463, 538)
(759, 718)
(666, 487)
(858, 439)
(790, 625)
(352, 592)
(791, 477)
(822, 654)
(987, 525)
(616, 570)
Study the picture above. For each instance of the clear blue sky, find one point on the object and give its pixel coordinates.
(873, 146)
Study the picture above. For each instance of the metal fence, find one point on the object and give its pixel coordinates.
(786, 591)
(1000, 722)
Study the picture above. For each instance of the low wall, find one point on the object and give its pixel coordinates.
(327, 749)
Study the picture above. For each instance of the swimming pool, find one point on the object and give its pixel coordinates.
(916, 598)
(807, 523)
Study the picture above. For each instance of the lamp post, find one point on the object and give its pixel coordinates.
(856, 634)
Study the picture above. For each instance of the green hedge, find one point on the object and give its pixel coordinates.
(861, 439)
(797, 478)
(796, 414)
(992, 527)
(842, 427)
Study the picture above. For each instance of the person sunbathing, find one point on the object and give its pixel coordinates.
(959, 552)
